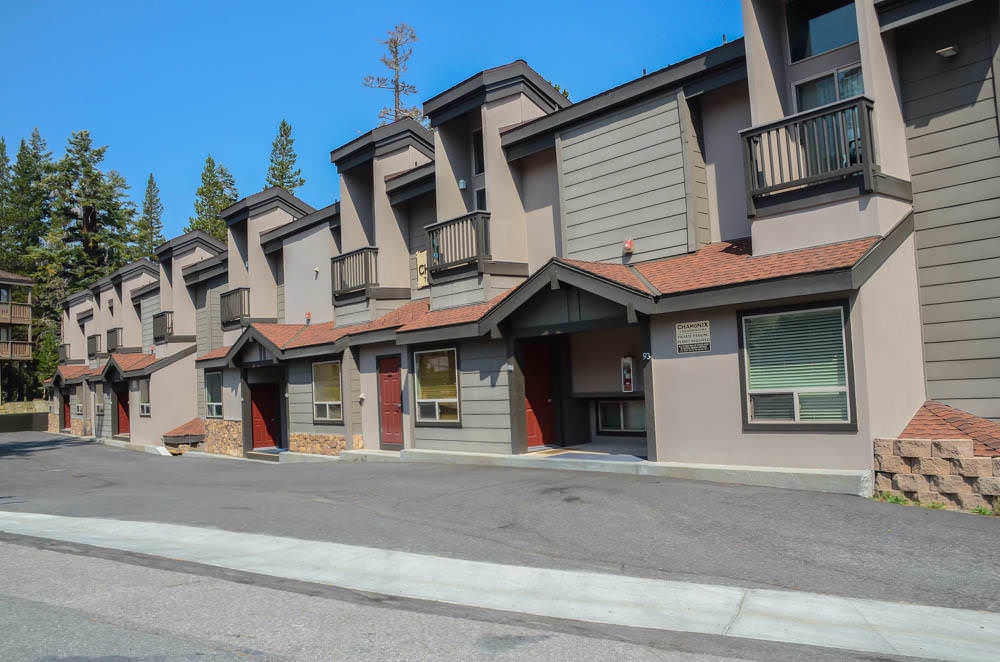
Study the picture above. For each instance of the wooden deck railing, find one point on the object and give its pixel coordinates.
(458, 242)
(93, 345)
(15, 350)
(114, 339)
(15, 313)
(163, 326)
(235, 305)
(354, 271)
(832, 142)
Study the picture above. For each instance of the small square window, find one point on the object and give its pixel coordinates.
(213, 394)
(481, 199)
(437, 385)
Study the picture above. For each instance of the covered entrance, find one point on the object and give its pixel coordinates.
(122, 421)
(539, 367)
(264, 415)
(64, 423)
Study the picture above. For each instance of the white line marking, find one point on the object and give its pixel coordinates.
(795, 617)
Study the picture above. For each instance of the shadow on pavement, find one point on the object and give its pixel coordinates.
(22, 444)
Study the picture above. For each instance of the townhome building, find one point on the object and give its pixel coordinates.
(15, 320)
(757, 262)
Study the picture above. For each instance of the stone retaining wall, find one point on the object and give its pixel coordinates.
(54, 423)
(223, 437)
(77, 427)
(942, 471)
(319, 444)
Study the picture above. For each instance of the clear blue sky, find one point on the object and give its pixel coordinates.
(165, 83)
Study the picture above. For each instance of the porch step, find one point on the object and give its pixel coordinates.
(264, 456)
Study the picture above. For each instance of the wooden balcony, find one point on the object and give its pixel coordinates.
(834, 142)
(235, 305)
(163, 326)
(93, 346)
(15, 313)
(355, 271)
(15, 350)
(115, 338)
(458, 242)
(65, 353)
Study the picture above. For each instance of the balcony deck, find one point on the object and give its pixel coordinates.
(15, 313)
(15, 350)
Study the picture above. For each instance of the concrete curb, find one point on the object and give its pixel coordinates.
(366, 455)
(129, 446)
(289, 457)
(858, 483)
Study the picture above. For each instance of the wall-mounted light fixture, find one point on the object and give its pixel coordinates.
(947, 51)
(461, 185)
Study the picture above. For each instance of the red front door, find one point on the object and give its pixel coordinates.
(121, 396)
(390, 403)
(65, 411)
(540, 412)
(264, 412)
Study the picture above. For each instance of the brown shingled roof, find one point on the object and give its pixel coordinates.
(936, 420)
(450, 316)
(133, 361)
(618, 273)
(279, 334)
(74, 371)
(731, 263)
(217, 353)
(10, 277)
(322, 334)
(193, 428)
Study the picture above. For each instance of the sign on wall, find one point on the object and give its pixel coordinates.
(421, 269)
(693, 337)
(628, 375)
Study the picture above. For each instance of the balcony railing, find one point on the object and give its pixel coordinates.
(235, 305)
(93, 346)
(15, 313)
(114, 339)
(65, 353)
(821, 145)
(458, 242)
(163, 326)
(15, 350)
(354, 271)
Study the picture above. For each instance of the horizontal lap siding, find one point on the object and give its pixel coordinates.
(149, 306)
(352, 313)
(208, 315)
(485, 403)
(458, 293)
(300, 403)
(622, 177)
(954, 147)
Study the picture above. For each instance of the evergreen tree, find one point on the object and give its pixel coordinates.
(149, 228)
(398, 52)
(27, 204)
(282, 171)
(217, 191)
(5, 224)
(46, 355)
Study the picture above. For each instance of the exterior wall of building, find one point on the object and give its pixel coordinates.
(420, 213)
(104, 423)
(452, 162)
(208, 314)
(353, 313)
(538, 183)
(369, 392)
(183, 298)
(391, 223)
(484, 404)
(300, 400)
(130, 316)
(232, 395)
(724, 113)
(459, 292)
(954, 149)
(73, 333)
(308, 285)
(173, 401)
(596, 360)
(622, 177)
(149, 305)
(357, 225)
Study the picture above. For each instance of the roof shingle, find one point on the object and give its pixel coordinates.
(936, 420)
(618, 273)
(133, 361)
(193, 428)
(217, 353)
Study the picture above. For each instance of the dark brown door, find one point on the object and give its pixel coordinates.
(540, 411)
(264, 415)
(121, 396)
(390, 403)
(66, 411)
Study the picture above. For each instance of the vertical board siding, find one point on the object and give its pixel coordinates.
(208, 314)
(300, 402)
(696, 179)
(622, 177)
(950, 110)
(149, 305)
(458, 293)
(280, 294)
(485, 404)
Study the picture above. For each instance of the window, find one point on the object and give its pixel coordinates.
(99, 399)
(621, 416)
(818, 26)
(437, 385)
(327, 402)
(111, 308)
(213, 394)
(841, 84)
(796, 367)
(478, 153)
(481, 199)
(144, 406)
(77, 393)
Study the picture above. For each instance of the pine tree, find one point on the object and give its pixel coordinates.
(27, 205)
(5, 224)
(149, 227)
(282, 171)
(399, 50)
(217, 191)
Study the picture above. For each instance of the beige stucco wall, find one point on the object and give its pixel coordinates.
(244, 238)
(356, 213)
(72, 333)
(128, 314)
(391, 224)
(452, 162)
(724, 113)
(308, 288)
(764, 39)
(537, 177)
(182, 297)
(173, 401)
(865, 216)
(232, 399)
(596, 359)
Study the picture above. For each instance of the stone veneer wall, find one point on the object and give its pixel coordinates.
(76, 427)
(319, 444)
(223, 437)
(359, 442)
(54, 423)
(937, 471)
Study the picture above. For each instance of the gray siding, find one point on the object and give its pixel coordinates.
(300, 408)
(695, 177)
(354, 390)
(149, 306)
(280, 293)
(352, 313)
(208, 316)
(103, 424)
(622, 177)
(485, 404)
(951, 122)
(458, 293)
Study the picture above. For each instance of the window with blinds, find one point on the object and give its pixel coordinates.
(145, 409)
(213, 394)
(796, 367)
(437, 385)
(327, 401)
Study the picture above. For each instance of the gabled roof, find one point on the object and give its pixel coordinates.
(272, 239)
(189, 240)
(73, 373)
(936, 420)
(382, 140)
(274, 196)
(217, 353)
(491, 84)
(131, 361)
(193, 428)
(134, 268)
(10, 278)
(406, 185)
(140, 292)
(207, 268)
(132, 365)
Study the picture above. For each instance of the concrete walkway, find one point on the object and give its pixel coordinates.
(730, 611)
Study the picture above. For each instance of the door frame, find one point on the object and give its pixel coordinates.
(66, 411)
(246, 409)
(553, 349)
(116, 389)
(378, 399)
(562, 388)
(278, 434)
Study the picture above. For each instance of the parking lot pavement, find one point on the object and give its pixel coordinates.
(631, 525)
